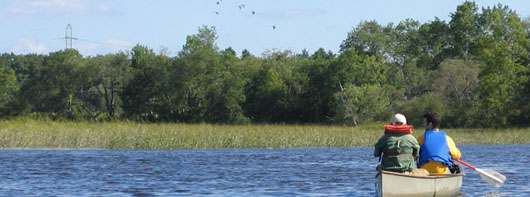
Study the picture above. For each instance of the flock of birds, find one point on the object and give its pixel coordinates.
(241, 7)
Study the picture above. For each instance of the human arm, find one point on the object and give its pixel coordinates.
(378, 148)
(420, 140)
(415, 147)
(453, 150)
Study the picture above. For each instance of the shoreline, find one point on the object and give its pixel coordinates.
(205, 149)
(36, 134)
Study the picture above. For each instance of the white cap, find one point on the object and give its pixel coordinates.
(398, 118)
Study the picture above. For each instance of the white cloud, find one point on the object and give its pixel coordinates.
(40, 8)
(24, 45)
(56, 4)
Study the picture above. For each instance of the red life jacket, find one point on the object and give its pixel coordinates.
(398, 129)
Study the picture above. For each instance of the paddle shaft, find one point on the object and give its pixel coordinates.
(466, 164)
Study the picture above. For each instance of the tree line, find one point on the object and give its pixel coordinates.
(473, 70)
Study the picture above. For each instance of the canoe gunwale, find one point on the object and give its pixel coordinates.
(431, 176)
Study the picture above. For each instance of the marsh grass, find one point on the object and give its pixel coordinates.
(129, 135)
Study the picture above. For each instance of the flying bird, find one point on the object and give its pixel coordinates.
(241, 6)
(216, 13)
(218, 3)
(253, 12)
(274, 27)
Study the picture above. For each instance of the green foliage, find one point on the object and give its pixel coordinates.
(369, 38)
(141, 95)
(457, 83)
(318, 90)
(266, 96)
(362, 104)
(52, 87)
(208, 84)
(8, 88)
(357, 69)
(457, 80)
(225, 93)
(503, 77)
(417, 106)
(406, 44)
(106, 78)
(410, 78)
(434, 39)
(464, 30)
(357, 81)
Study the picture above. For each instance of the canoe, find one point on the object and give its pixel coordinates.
(396, 184)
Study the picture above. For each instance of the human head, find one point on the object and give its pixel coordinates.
(431, 120)
(398, 119)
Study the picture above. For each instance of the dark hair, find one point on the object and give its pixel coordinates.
(434, 118)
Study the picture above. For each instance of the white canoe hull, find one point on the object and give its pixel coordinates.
(397, 184)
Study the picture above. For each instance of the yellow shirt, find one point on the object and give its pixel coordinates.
(435, 167)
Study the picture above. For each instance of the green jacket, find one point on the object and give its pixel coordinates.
(398, 152)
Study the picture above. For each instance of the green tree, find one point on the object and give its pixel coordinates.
(464, 30)
(141, 95)
(25, 68)
(456, 81)
(318, 88)
(434, 39)
(87, 99)
(108, 73)
(225, 92)
(412, 79)
(415, 107)
(503, 77)
(354, 69)
(365, 103)
(52, 88)
(195, 72)
(207, 85)
(279, 86)
(8, 88)
(369, 38)
(406, 45)
(266, 96)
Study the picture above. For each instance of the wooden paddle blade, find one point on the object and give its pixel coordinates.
(492, 177)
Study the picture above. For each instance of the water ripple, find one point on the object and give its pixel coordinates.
(231, 172)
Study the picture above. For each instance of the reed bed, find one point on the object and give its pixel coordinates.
(131, 135)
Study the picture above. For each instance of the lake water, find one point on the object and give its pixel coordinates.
(232, 172)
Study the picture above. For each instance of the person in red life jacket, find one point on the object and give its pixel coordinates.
(397, 149)
(436, 147)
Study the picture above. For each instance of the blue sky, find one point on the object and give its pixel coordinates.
(109, 26)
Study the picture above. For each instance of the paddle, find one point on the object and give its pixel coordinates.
(493, 178)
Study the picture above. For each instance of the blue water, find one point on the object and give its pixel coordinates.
(232, 172)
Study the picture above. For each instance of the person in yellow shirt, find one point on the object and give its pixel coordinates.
(436, 147)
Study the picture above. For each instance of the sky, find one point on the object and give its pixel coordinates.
(111, 26)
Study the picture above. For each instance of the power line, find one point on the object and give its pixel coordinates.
(104, 43)
(68, 40)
